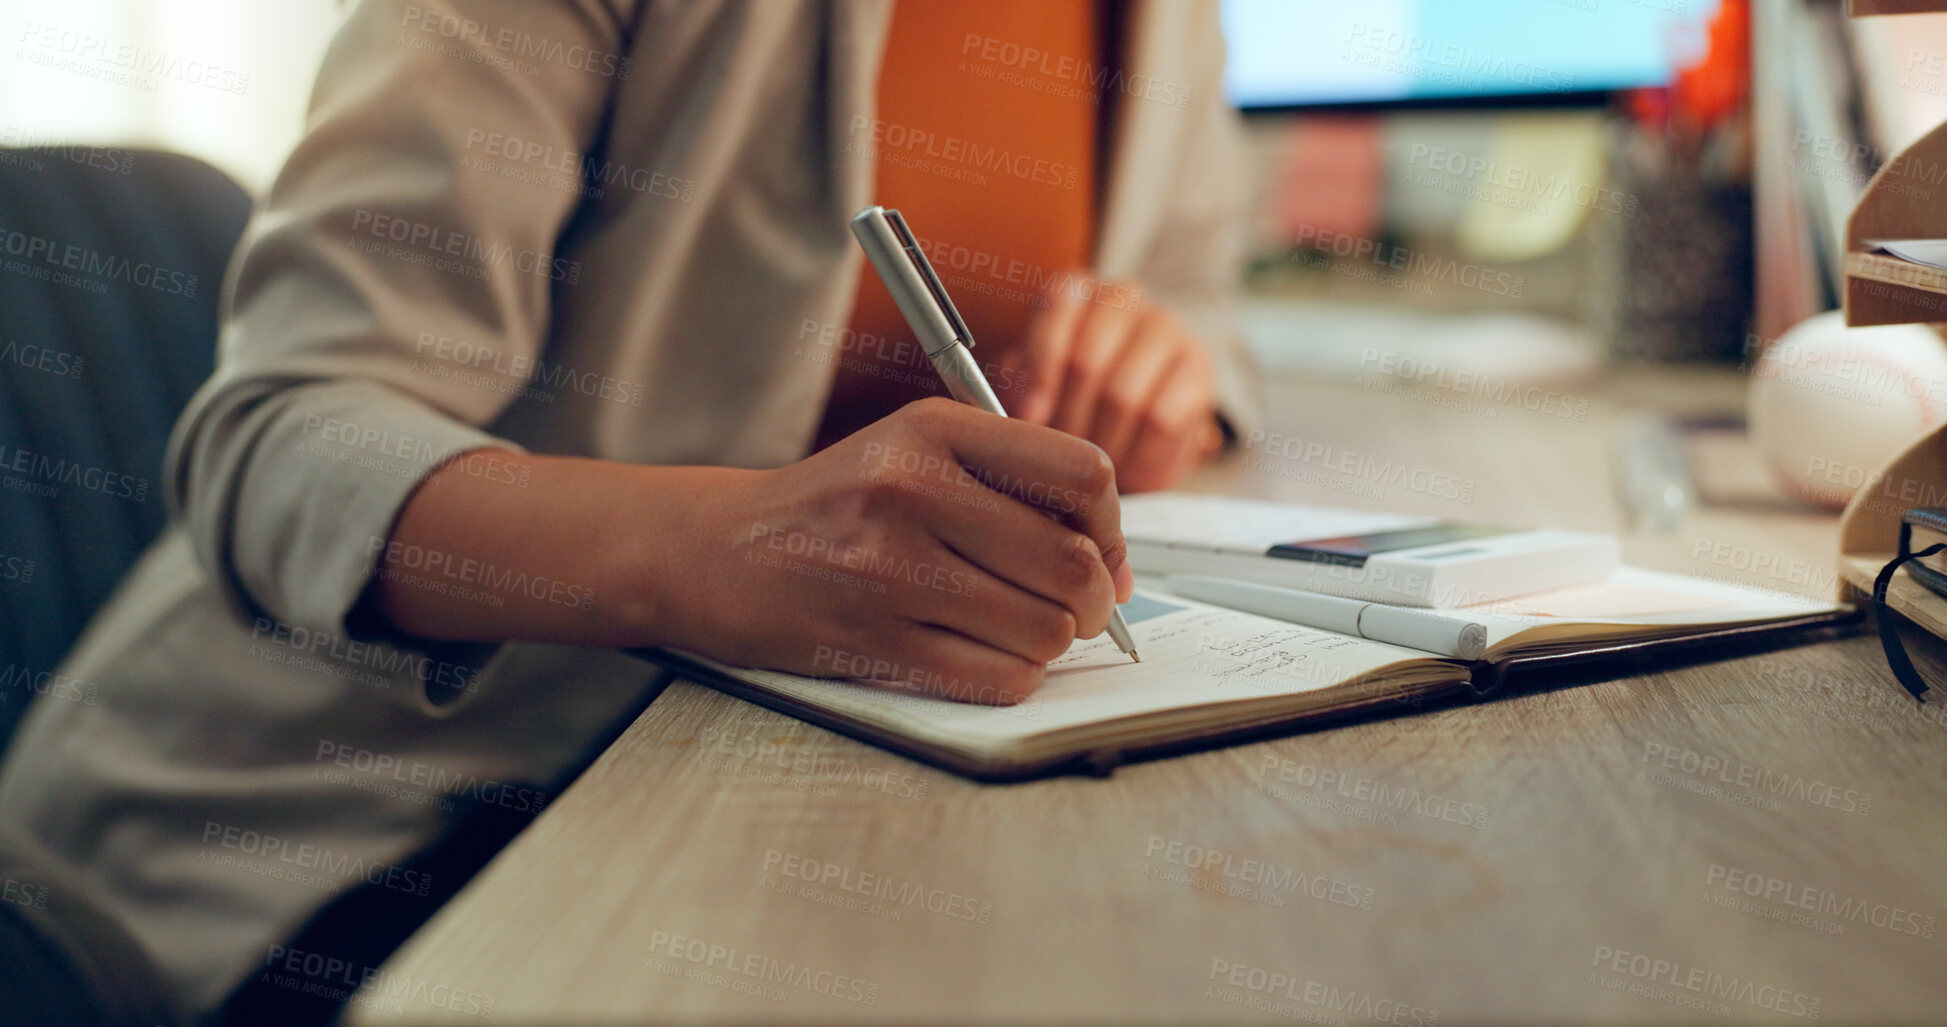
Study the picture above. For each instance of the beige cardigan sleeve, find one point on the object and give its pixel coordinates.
(1194, 257)
(333, 398)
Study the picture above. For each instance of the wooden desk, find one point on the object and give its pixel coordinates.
(1557, 853)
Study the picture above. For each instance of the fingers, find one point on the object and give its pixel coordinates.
(1177, 429)
(1033, 554)
(1133, 381)
(1051, 334)
(953, 594)
(931, 660)
(1067, 477)
(1097, 349)
(1128, 399)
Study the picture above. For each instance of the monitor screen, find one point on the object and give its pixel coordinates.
(1308, 53)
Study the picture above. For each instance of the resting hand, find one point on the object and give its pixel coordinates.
(1125, 376)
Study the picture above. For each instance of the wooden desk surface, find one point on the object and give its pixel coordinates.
(1758, 839)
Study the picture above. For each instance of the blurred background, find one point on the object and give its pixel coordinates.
(1520, 157)
(1584, 169)
(223, 80)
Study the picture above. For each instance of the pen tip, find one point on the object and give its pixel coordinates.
(1133, 656)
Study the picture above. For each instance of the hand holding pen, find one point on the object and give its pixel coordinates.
(948, 343)
(940, 550)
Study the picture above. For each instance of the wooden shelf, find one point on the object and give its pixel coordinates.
(1906, 199)
(1883, 289)
(1869, 530)
(1884, 267)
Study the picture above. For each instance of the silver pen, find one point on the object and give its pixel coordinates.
(894, 251)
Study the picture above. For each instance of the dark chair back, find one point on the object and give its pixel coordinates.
(111, 262)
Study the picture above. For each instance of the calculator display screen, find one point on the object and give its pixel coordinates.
(1352, 550)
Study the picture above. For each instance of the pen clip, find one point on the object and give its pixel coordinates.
(910, 244)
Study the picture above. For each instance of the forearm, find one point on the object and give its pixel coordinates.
(498, 546)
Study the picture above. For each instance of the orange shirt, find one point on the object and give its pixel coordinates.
(986, 140)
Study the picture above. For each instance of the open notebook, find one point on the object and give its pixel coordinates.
(1210, 674)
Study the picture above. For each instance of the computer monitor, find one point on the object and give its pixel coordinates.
(1292, 54)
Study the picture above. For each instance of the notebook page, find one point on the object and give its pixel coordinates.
(1635, 596)
(1191, 654)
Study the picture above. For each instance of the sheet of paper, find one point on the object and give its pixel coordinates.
(1931, 252)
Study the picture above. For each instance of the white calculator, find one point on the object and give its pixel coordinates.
(1387, 558)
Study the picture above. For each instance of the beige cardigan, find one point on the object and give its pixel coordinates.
(598, 227)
